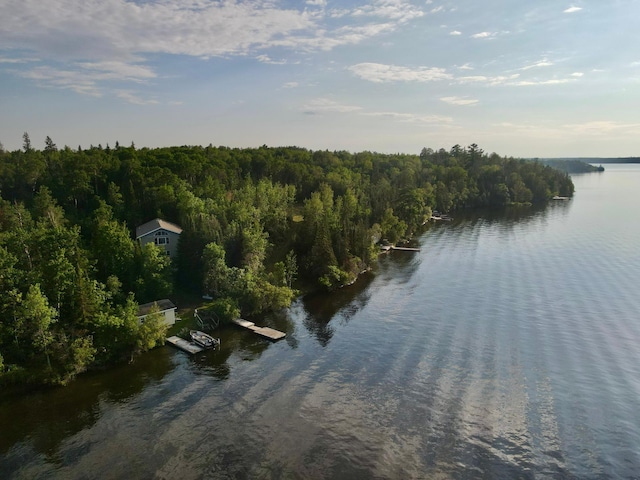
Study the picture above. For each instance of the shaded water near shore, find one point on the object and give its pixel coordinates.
(509, 347)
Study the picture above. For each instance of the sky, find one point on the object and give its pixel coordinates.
(544, 78)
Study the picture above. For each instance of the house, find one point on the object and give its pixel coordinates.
(162, 233)
(166, 308)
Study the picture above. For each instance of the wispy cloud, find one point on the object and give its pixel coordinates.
(85, 77)
(572, 9)
(577, 74)
(391, 9)
(484, 35)
(460, 101)
(380, 73)
(603, 127)
(269, 60)
(326, 105)
(552, 81)
(18, 60)
(592, 129)
(79, 82)
(455, 33)
(115, 70)
(290, 85)
(491, 80)
(133, 98)
(541, 63)
(413, 118)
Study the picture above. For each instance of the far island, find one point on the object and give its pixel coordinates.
(573, 165)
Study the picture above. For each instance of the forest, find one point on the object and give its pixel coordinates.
(259, 224)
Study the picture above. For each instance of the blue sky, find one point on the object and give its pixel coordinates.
(529, 79)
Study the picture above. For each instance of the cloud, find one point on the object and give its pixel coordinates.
(541, 63)
(459, 101)
(484, 35)
(390, 9)
(131, 97)
(455, 32)
(380, 73)
(326, 105)
(267, 59)
(115, 70)
(85, 77)
(413, 118)
(572, 9)
(290, 85)
(598, 128)
(437, 9)
(577, 74)
(18, 60)
(107, 28)
(69, 32)
(489, 80)
(553, 81)
(323, 105)
(603, 127)
(76, 81)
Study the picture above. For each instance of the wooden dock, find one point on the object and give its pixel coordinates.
(406, 249)
(185, 345)
(266, 332)
(388, 248)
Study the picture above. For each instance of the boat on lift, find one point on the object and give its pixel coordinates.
(204, 340)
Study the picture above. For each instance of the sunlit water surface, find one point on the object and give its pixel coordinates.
(509, 347)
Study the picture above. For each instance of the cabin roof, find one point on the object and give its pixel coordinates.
(163, 305)
(156, 224)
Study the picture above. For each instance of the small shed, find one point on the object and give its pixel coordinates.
(161, 233)
(165, 307)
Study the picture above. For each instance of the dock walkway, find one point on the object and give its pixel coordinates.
(266, 332)
(388, 248)
(185, 345)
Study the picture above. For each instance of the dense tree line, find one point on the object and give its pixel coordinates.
(256, 222)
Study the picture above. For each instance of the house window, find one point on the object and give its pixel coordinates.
(162, 238)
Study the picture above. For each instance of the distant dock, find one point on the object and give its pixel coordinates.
(388, 248)
(185, 345)
(441, 218)
(266, 332)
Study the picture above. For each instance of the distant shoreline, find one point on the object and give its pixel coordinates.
(595, 159)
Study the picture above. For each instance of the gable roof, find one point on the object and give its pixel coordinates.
(156, 224)
(164, 304)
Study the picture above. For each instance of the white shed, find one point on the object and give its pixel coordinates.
(165, 307)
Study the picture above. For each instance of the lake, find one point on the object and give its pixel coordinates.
(508, 347)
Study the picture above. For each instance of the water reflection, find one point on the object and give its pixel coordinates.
(320, 308)
(47, 418)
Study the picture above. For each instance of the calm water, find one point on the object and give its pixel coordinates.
(509, 347)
